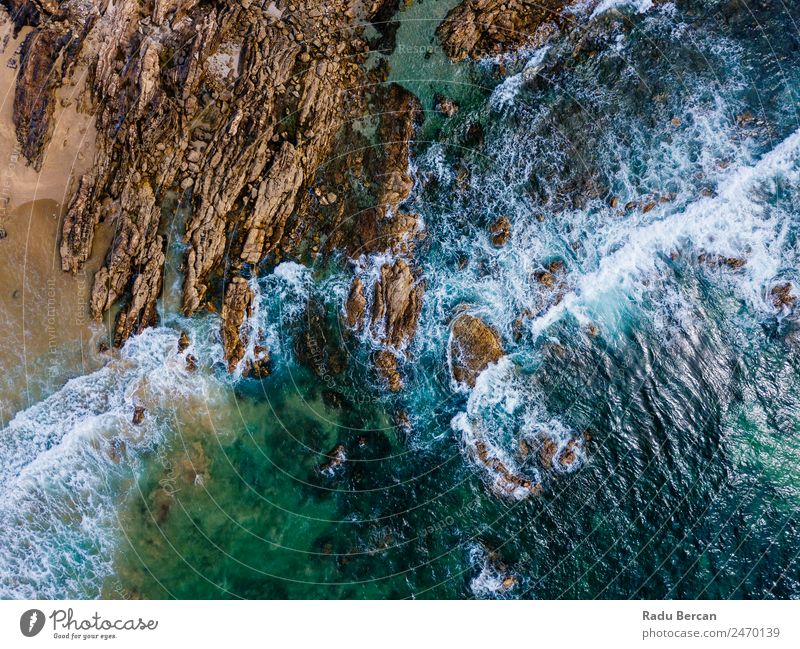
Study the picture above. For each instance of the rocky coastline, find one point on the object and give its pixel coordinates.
(232, 124)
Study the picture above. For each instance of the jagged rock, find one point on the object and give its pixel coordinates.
(569, 455)
(782, 295)
(260, 366)
(242, 164)
(34, 97)
(547, 452)
(473, 346)
(138, 415)
(479, 28)
(337, 458)
(733, 262)
(484, 28)
(501, 231)
(236, 306)
(141, 310)
(545, 278)
(356, 304)
(22, 12)
(384, 228)
(396, 304)
(505, 480)
(184, 341)
(386, 364)
(446, 106)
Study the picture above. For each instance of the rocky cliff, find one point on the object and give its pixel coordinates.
(221, 110)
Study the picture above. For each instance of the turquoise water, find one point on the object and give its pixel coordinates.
(676, 376)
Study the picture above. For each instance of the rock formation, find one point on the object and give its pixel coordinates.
(237, 306)
(473, 346)
(480, 28)
(501, 231)
(477, 29)
(397, 303)
(396, 296)
(229, 108)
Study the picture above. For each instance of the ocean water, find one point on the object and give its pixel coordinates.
(658, 171)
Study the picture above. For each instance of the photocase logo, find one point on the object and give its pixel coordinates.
(31, 622)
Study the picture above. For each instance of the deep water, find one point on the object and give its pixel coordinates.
(660, 348)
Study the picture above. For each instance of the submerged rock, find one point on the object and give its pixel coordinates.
(473, 346)
(445, 105)
(337, 458)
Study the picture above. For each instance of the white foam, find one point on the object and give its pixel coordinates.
(278, 300)
(736, 222)
(67, 463)
(507, 91)
(638, 6)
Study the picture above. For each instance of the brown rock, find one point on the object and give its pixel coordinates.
(501, 231)
(183, 341)
(151, 81)
(547, 452)
(480, 28)
(260, 366)
(733, 262)
(782, 295)
(236, 307)
(37, 81)
(138, 415)
(386, 364)
(505, 480)
(356, 304)
(570, 455)
(545, 278)
(397, 304)
(473, 346)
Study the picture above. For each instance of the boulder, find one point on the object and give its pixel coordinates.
(501, 231)
(781, 295)
(138, 415)
(474, 345)
(356, 304)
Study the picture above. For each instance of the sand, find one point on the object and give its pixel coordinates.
(47, 334)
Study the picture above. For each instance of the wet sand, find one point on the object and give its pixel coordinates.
(47, 333)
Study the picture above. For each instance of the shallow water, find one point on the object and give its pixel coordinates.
(681, 369)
